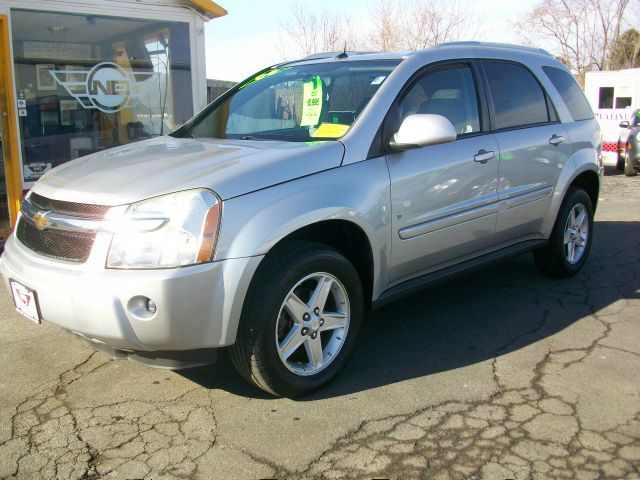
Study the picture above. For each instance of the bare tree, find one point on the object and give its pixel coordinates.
(419, 24)
(392, 25)
(387, 25)
(312, 31)
(626, 51)
(581, 33)
(610, 15)
(438, 21)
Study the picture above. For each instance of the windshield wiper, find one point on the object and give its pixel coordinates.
(251, 137)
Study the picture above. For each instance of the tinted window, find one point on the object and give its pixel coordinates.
(518, 99)
(450, 93)
(570, 92)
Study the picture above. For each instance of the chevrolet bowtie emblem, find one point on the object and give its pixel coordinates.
(41, 222)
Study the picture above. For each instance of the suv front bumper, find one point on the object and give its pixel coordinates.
(197, 307)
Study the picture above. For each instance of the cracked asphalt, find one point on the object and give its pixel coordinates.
(500, 374)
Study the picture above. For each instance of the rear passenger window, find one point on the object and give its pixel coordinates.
(570, 92)
(518, 98)
(450, 93)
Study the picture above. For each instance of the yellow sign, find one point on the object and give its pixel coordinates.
(330, 130)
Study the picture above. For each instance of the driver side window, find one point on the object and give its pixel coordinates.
(450, 93)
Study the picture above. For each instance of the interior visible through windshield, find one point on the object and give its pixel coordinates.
(294, 103)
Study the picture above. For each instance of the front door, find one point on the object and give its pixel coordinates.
(444, 197)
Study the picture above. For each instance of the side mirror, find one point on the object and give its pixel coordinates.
(420, 130)
(624, 124)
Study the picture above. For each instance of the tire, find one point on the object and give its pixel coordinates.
(620, 162)
(292, 272)
(629, 170)
(553, 259)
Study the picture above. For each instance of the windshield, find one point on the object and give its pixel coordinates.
(293, 103)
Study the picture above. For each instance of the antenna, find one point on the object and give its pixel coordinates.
(344, 54)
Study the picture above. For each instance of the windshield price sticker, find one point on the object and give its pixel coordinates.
(311, 102)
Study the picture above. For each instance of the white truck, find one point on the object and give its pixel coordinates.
(614, 97)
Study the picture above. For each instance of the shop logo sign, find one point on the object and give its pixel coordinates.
(107, 86)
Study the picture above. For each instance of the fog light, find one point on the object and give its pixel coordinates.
(142, 308)
(151, 306)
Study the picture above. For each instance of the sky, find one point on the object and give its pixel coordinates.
(250, 37)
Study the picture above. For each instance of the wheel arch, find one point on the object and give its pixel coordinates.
(589, 181)
(346, 237)
(580, 170)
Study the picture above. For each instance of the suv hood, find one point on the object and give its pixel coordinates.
(162, 165)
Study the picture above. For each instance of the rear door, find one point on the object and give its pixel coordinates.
(444, 200)
(534, 146)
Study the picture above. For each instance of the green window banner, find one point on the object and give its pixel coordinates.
(263, 75)
(311, 102)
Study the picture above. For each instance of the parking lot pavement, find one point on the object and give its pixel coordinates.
(500, 374)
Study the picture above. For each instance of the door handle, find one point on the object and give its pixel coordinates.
(556, 139)
(483, 156)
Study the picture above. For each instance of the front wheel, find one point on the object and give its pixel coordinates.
(300, 321)
(570, 241)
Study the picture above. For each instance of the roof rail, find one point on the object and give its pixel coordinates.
(511, 46)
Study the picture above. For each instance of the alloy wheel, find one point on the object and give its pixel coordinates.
(576, 233)
(313, 323)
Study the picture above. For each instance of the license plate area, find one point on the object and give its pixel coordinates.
(26, 301)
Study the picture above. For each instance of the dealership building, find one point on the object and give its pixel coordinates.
(78, 77)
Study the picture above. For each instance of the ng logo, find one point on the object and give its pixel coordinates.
(107, 87)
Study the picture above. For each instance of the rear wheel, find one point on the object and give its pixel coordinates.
(570, 241)
(629, 170)
(300, 319)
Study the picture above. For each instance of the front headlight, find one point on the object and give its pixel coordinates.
(170, 231)
(638, 136)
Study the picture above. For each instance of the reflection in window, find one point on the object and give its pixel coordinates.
(126, 81)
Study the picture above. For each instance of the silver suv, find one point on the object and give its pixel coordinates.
(313, 191)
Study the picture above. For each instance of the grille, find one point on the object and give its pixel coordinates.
(58, 244)
(81, 210)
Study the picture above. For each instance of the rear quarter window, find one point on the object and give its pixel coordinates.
(570, 93)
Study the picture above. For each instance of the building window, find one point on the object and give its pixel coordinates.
(605, 99)
(86, 83)
(623, 102)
